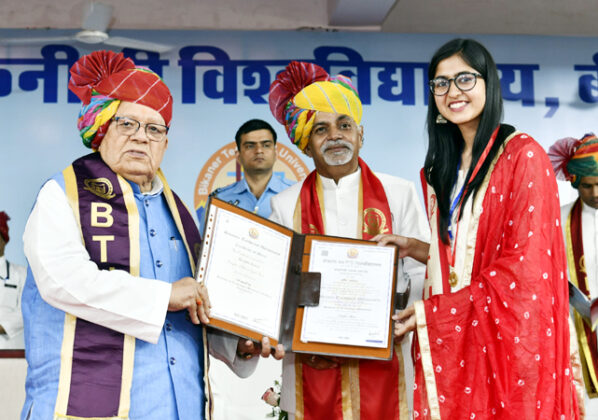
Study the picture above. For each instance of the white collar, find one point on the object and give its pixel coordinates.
(587, 209)
(347, 181)
(157, 187)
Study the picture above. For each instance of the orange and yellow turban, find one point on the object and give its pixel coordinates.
(101, 80)
(572, 159)
(304, 88)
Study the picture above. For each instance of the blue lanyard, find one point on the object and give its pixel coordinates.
(455, 202)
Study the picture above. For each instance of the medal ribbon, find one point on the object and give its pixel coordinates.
(452, 252)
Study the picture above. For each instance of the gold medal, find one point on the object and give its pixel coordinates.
(453, 278)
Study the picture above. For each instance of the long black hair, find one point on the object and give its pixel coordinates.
(445, 140)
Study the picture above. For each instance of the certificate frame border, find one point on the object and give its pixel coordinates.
(343, 350)
(290, 287)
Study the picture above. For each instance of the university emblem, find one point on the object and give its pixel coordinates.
(222, 169)
(254, 233)
(374, 222)
(102, 187)
(313, 229)
(352, 252)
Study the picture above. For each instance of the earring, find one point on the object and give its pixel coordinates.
(440, 119)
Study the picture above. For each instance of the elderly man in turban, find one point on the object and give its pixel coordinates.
(342, 197)
(12, 280)
(576, 161)
(110, 305)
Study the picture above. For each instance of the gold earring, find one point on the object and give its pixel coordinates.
(440, 119)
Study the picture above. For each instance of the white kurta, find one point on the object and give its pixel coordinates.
(67, 279)
(589, 223)
(589, 231)
(341, 219)
(12, 280)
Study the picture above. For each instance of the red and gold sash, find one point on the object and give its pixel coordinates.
(357, 389)
(373, 206)
(579, 277)
(96, 369)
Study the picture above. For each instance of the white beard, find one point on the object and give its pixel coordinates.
(340, 157)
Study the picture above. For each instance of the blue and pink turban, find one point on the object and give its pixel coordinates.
(304, 88)
(101, 80)
(572, 159)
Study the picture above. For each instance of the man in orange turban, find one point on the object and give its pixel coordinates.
(342, 197)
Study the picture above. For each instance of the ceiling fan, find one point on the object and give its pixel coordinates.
(94, 30)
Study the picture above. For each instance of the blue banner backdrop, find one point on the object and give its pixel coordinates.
(221, 79)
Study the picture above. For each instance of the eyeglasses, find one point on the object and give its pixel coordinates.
(128, 126)
(464, 81)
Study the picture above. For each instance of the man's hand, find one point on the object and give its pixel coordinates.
(408, 247)
(320, 362)
(248, 348)
(188, 294)
(404, 323)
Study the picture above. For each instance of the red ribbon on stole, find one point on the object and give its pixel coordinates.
(357, 388)
(587, 338)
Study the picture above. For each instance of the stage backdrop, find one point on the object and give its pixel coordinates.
(221, 79)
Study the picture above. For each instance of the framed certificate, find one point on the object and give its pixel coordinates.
(312, 293)
(357, 292)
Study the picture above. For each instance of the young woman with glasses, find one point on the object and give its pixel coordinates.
(492, 332)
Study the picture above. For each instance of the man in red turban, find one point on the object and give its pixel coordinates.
(111, 312)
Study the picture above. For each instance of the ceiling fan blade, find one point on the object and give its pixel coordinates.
(34, 41)
(97, 16)
(119, 41)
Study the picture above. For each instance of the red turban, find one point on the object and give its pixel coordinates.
(4, 225)
(104, 76)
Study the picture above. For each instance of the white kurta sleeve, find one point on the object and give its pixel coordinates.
(68, 280)
(409, 220)
(223, 347)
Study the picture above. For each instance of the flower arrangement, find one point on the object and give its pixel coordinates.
(272, 397)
